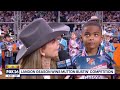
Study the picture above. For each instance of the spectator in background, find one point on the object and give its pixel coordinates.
(49, 16)
(111, 16)
(63, 43)
(8, 49)
(108, 47)
(113, 29)
(78, 31)
(111, 38)
(5, 29)
(115, 40)
(63, 48)
(73, 45)
(1, 44)
(79, 41)
(15, 51)
(6, 16)
(119, 33)
(109, 30)
(75, 16)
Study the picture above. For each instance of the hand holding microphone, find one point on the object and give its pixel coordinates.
(67, 77)
(65, 63)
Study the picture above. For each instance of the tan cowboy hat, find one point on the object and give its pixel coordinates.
(38, 33)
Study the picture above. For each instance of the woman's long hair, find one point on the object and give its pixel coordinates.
(33, 61)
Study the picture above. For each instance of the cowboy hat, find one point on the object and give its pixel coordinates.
(108, 34)
(38, 33)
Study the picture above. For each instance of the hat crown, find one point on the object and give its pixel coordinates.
(33, 31)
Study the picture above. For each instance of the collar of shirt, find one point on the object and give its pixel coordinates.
(107, 44)
(61, 40)
(100, 52)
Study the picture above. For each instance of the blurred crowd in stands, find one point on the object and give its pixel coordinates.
(111, 16)
(76, 16)
(6, 16)
(49, 16)
(65, 16)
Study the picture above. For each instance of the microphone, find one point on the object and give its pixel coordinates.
(65, 61)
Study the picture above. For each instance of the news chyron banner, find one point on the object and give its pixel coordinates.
(12, 70)
(15, 71)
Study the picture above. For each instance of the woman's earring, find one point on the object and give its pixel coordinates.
(43, 54)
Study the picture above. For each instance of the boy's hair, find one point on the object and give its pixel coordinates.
(74, 33)
(92, 23)
(7, 35)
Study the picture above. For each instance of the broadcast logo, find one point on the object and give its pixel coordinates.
(12, 70)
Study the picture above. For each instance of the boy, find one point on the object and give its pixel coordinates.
(93, 57)
(108, 47)
(8, 49)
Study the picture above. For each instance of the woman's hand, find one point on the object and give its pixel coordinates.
(67, 77)
(77, 76)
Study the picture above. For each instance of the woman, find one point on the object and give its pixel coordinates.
(73, 45)
(40, 50)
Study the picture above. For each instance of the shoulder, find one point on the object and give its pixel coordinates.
(111, 43)
(107, 56)
(109, 59)
(75, 58)
(64, 40)
(71, 41)
(5, 42)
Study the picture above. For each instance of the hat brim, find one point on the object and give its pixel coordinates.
(23, 52)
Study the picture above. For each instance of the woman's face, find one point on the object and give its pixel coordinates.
(73, 36)
(51, 49)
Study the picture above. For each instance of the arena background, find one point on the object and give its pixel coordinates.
(16, 20)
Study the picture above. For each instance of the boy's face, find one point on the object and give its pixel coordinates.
(8, 38)
(107, 38)
(91, 36)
